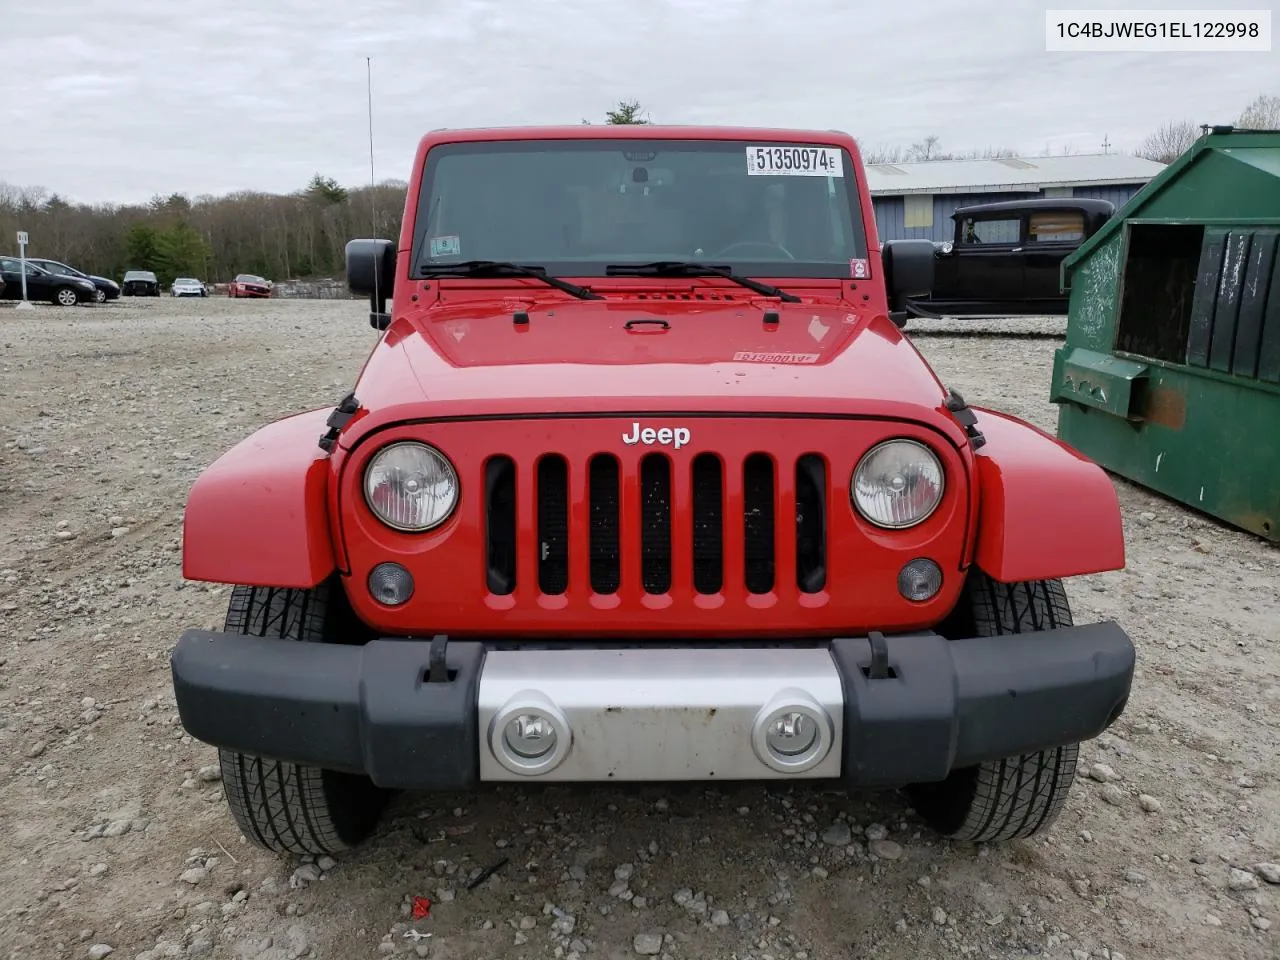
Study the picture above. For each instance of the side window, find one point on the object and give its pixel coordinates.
(1064, 226)
(987, 232)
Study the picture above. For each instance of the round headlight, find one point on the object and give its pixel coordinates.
(411, 486)
(897, 484)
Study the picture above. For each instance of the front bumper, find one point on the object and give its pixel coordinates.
(888, 710)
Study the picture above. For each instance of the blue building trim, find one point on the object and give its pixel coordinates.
(891, 210)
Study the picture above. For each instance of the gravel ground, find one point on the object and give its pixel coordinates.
(116, 840)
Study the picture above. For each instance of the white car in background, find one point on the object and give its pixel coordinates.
(188, 287)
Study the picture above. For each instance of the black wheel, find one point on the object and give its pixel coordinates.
(284, 807)
(100, 296)
(1017, 796)
(66, 297)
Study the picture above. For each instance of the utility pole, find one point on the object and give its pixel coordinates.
(1106, 144)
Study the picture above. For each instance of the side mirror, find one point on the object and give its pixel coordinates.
(371, 272)
(908, 274)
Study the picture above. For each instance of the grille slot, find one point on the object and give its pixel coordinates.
(500, 524)
(655, 523)
(553, 524)
(758, 521)
(811, 523)
(606, 553)
(708, 524)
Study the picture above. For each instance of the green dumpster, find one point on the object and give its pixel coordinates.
(1170, 372)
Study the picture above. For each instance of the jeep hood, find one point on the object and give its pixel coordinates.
(630, 355)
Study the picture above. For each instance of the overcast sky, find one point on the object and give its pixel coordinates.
(117, 100)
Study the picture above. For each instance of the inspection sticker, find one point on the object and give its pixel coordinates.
(445, 246)
(792, 161)
(749, 357)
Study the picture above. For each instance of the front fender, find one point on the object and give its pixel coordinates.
(258, 515)
(1045, 511)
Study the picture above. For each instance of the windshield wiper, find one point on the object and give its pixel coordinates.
(691, 268)
(504, 268)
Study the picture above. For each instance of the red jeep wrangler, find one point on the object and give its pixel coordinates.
(643, 482)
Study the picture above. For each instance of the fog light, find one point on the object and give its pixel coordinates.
(530, 736)
(919, 580)
(390, 584)
(792, 732)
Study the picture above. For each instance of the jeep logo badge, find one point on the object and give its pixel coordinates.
(675, 437)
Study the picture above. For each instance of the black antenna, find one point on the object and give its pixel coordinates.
(373, 183)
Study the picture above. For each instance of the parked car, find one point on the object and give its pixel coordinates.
(1005, 258)
(58, 288)
(187, 287)
(475, 568)
(140, 283)
(107, 289)
(249, 285)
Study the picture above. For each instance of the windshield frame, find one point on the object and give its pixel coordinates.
(596, 269)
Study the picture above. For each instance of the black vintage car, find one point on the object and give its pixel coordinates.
(107, 289)
(140, 283)
(58, 288)
(1005, 258)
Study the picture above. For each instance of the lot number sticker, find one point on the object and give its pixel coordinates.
(795, 161)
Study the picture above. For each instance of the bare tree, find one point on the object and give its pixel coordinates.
(1168, 142)
(1263, 113)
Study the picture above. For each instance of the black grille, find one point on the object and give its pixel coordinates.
(553, 525)
(655, 523)
(757, 522)
(708, 524)
(602, 494)
(500, 524)
(811, 523)
(647, 500)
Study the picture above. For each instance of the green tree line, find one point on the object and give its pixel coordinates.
(281, 236)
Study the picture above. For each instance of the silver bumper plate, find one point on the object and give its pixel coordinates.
(660, 714)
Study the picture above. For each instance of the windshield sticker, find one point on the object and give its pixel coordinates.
(747, 357)
(859, 269)
(795, 161)
(445, 247)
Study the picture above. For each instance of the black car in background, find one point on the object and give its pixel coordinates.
(107, 289)
(1005, 258)
(57, 288)
(140, 283)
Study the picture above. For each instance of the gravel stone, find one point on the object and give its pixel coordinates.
(1241, 880)
(209, 774)
(647, 944)
(839, 834)
(885, 849)
(720, 918)
(1149, 803)
(1269, 872)
(100, 950)
(1112, 794)
(193, 875)
(1102, 773)
(876, 831)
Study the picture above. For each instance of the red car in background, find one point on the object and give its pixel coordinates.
(249, 285)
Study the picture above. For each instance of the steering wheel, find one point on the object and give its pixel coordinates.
(769, 244)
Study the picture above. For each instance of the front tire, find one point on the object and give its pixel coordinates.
(65, 297)
(100, 296)
(285, 807)
(1014, 797)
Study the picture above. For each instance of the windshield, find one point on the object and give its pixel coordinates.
(577, 206)
(186, 280)
(249, 278)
